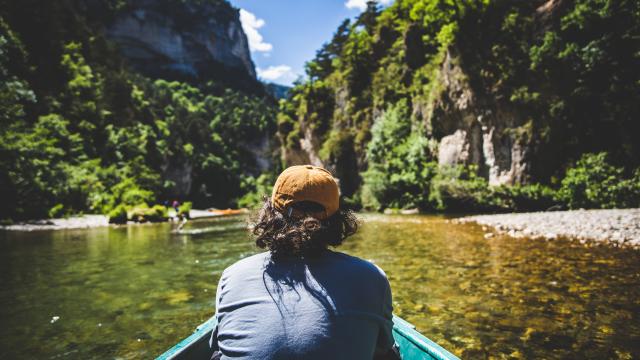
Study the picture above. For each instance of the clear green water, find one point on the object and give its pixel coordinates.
(132, 292)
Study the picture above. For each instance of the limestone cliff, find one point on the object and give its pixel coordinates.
(469, 128)
(473, 130)
(188, 39)
(194, 40)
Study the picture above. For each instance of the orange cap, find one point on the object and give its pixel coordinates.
(306, 183)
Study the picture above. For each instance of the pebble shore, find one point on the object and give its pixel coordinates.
(618, 226)
(87, 221)
(76, 222)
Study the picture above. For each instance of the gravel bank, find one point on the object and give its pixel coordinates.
(620, 226)
(77, 222)
(89, 221)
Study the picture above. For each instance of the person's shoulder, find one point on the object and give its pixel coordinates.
(250, 263)
(360, 265)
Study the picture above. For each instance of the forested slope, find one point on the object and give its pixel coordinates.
(90, 119)
(458, 105)
(471, 105)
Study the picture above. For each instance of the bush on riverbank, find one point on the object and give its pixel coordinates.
(140, 213)
(534, 197)
(591, 183)
(118, 215)
(143, 213)
(595, 183)
(460, 189)
(184, 209)
(255, 190)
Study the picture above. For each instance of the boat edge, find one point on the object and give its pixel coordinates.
(400, 326)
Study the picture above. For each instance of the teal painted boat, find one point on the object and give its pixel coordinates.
(413, 345)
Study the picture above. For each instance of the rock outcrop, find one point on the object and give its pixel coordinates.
(189, 39)
(474, 131)
(470, 129)
(307, 149)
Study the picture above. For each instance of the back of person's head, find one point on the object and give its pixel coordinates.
(303, 216)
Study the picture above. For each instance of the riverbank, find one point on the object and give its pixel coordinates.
(93, 221)
(450, 283)
(617, 226)
(74, 222)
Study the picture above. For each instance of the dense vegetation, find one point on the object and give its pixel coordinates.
(374, 93)
(82, 132)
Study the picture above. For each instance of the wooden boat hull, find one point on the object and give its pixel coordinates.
(413, 345)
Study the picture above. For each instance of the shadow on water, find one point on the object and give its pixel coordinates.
(133, 291)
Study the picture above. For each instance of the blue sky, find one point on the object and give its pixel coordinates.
(284, 34)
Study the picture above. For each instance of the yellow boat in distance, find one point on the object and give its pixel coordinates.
(213, 212)
(223, 212)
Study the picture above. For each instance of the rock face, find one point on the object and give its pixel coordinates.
(262, 149)
(470, 130)
(189, 39)
(475, 131)
(199, 40)
(181, 174)
(307, 151)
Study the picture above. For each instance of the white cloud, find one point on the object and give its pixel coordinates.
(250, 25)
(280, 74)
(362, 4)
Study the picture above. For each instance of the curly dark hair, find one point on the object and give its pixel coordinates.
(296, 233)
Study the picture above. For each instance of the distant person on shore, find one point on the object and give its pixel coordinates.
(183, 221)
(300, 300)
(176, 206)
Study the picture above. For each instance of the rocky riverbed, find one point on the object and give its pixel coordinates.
(618, 226)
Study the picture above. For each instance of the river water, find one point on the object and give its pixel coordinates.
(133, 291)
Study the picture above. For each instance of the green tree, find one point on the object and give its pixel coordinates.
(594, 183)
(400, 167)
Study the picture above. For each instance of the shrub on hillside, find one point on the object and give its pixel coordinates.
(138, 213)
(534, 197)
(125, 190)
(594, 183)
(353, 202)
(400, 169)
(255, 190)
(143, 213)
(118, 215)
(184, 209)
(157, 213)
(460, 189)
(56, 211)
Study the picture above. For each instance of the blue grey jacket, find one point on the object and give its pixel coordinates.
(334, 306)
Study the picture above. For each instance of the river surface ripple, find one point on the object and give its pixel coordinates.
(133, 291)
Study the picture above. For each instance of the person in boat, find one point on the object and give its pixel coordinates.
(299, 299)
(176, 206)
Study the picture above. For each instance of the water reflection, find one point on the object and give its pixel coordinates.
(509, 297)
(131, 292)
